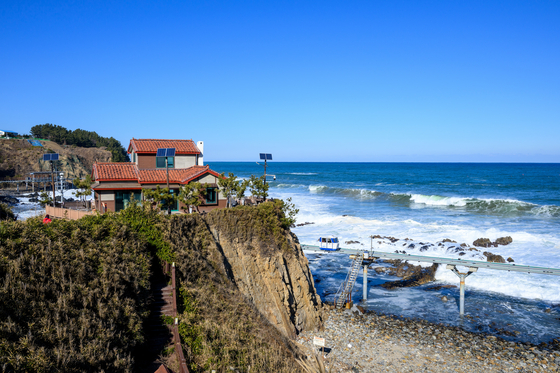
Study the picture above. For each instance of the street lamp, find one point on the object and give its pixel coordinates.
(51, 157)
(265, 157)
(166, 152)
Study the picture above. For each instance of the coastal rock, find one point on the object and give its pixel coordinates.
(483, 242)
(510, 260)
(448, 240)
(412, 276)
(439, 287)
(493, 257)
(272, 273)
(504, 240)
(9, 200)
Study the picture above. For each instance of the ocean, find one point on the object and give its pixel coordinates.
(429, 202)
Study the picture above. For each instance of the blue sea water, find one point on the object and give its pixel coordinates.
(427, 202)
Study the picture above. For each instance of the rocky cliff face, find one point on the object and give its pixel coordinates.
(262, 260)
(18, 158)
(277, 282)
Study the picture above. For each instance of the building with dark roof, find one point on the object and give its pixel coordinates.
(118, 184)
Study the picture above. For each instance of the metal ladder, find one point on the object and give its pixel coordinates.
(346, 289)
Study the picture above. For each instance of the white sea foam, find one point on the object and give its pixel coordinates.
(438, 200)
(317, 188)
(528, 248)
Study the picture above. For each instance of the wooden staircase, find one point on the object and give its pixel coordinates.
(157, 332)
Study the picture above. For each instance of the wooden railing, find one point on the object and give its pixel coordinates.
(60, 212)
(175, 328)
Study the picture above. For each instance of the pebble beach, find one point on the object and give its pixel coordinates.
(371, 342)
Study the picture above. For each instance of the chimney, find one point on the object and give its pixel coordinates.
(200, 146)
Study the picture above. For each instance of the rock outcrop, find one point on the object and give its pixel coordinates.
(18, 158)
(490, 257)
(485, 242)
(412, 275)
(264, 261)
(504, 240)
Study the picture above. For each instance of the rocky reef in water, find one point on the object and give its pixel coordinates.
(415, 275)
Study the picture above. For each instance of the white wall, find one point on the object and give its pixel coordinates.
(185, 161)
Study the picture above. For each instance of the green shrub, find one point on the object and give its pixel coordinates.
(6, 212)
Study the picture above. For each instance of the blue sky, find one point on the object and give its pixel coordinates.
(369, 81)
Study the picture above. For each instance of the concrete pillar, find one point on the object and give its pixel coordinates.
(365, 283)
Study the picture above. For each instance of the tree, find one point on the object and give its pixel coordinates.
(290, 212)
(241, 188)
(82, 138)
(84, 187)
(45, 198)
(230, 186)
(160, 196)
(193, 194)
(258, 187)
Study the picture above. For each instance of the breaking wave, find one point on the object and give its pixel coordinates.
(477, 205)
(349, 192)
(488, 205)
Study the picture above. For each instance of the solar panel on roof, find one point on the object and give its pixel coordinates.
(50, 157)
(166, 152)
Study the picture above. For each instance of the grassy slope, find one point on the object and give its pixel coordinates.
(74, 294)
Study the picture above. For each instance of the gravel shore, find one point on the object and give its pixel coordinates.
(369, 342)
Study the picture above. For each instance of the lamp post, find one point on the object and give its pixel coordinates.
(51, 157)
(166, 152)
(265, 157)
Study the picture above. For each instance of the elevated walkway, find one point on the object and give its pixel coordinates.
(366, 257)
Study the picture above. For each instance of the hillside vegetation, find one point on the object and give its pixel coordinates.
(74, 294)
(81, 138)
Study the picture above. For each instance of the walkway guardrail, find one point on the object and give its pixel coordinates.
(451, 264)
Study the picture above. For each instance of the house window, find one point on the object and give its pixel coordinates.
(124, 198)
(160, 162)
(175, 205)
(133, 157)
(211, 195)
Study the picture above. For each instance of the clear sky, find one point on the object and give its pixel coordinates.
(369, 81)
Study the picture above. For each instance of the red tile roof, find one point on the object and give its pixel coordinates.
(115, 172)
(108, 171)
(150, 146)
(180, 175)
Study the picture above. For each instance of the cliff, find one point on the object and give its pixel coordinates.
(18, 158)
(272, 272)
(249, 281)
